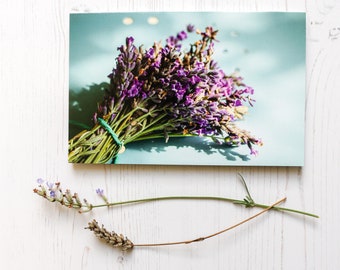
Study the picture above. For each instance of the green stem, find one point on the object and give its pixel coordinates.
(160, 136)
(238, 202)
(148, 129)
(118, 119)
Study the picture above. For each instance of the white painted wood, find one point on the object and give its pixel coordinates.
(36, 234)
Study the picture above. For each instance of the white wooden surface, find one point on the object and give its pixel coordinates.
(36, 234)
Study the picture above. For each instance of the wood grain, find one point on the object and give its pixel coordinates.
(38, 235)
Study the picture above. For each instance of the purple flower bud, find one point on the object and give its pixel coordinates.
(195, 79)
(49, 185)
(188, 101)
(249, 90)
(150, 53)
(182, 35)
(135, 88)
(237, 103)
(190, 28)
(165, 51)
(171, 41)
(100, 192)
(40, 181)
(129, 41)
(52, 194)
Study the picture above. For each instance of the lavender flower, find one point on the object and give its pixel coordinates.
(100, 192)
(40, 181)
(53, 193)
(111, 238)
(163, 90)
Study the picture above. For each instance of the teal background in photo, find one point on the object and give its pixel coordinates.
(267, 49)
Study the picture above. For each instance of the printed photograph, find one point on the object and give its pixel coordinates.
(187, 88)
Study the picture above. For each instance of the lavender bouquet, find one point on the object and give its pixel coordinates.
(165, 92)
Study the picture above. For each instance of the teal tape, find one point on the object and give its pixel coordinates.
(107, 127)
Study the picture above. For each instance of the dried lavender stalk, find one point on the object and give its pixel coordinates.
(112, 238)
(124, 243)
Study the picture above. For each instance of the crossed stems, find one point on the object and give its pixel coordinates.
(216, 233)
(54, 193)
(121, 241)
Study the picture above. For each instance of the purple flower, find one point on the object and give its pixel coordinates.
(165, 51)
(40, 181)
(49, 185)
(182, 72)
(195, 79)
(135, 88)
(171, 41)
(150, 53)
(190, 28)
(156, 63)
(52, 194)
(133, 91)
(249, 90)
(199, 66)
(182, 35)
(129, 41)
(188, 101)
(254, 152)
(237, 103)
(179, 90)
(100, 192)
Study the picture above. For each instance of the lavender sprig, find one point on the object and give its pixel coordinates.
(124, 243)
(164, 91)
(53, 193)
